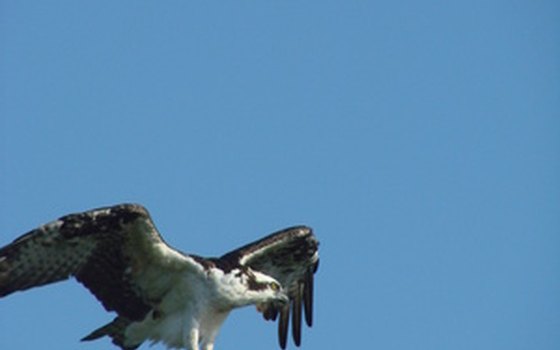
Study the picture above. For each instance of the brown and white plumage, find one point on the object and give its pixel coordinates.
(159, 293)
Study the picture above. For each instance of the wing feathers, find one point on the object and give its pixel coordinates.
(40, 257)
(296, 315)
(308, 296)
(106, 249)
(290, 256)
(283, 325)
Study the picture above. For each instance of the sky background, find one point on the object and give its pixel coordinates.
(420, 139)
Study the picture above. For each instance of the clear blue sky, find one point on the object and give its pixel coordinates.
(421, 140)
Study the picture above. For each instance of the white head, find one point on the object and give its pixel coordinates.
(247, 287)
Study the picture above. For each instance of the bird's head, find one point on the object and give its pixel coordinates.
(255, 287)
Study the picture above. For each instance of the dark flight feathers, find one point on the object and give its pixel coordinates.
(287, 256)
(87, 246)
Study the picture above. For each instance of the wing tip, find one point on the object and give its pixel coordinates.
(308, 294)
(296, 315)
(283, 325)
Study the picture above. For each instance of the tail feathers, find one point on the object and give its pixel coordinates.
(115, 330)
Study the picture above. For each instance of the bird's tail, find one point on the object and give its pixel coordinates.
(115, 330)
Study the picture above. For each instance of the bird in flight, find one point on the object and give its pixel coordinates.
(159, 293)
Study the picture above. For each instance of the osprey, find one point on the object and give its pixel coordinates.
(159, 293)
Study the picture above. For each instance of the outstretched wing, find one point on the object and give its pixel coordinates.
(291, 257)
(116, 252)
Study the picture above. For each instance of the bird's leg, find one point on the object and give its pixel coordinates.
(191, 340)
(208, 346)
(208, 342)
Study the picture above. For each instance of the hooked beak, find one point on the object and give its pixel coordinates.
(283, 299)
(280, 300)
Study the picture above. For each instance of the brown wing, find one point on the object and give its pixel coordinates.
(291, 257)
(113, 251)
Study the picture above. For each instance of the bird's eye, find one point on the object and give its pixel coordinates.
(274, 286)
